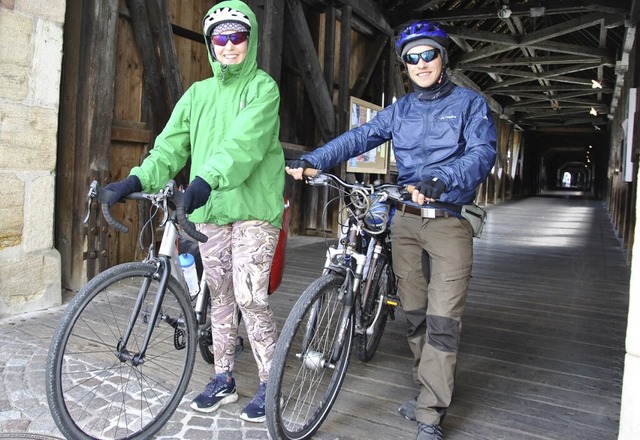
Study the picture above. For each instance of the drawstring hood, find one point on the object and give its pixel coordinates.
(233, 11)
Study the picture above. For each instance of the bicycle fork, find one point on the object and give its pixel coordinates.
(384, 299)
(164, 271)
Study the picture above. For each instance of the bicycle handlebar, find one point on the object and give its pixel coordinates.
(394, 192)
(161, 198)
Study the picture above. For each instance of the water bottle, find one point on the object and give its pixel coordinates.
(188, 264)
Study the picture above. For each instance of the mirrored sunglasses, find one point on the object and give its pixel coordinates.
(235, 38)
(427, 55)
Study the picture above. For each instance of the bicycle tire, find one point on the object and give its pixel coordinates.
(205, 338)
(381, 284)
(91, 393)
(302, 389)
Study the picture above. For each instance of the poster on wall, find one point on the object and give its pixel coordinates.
(373, 161)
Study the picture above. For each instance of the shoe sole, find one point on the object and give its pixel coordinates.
(228, 399)
(243, 416)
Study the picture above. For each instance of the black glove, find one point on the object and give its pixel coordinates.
(196, 195)
(123, 188)
(431, 188)
(293, 164)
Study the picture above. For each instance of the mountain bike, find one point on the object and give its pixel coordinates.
(124, 350)
(347, 306)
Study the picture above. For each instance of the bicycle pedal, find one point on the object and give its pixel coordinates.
(179, 340)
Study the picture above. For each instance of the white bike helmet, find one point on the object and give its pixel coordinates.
(222, 15)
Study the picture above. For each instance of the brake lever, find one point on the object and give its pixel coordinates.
(93, 192)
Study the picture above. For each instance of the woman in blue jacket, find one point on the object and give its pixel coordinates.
(444, 143)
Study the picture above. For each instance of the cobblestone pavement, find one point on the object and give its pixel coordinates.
(24, 342)
(24, 412)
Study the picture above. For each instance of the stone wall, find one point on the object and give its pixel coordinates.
(30, 67)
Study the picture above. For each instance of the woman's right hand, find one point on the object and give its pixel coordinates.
(295, 168)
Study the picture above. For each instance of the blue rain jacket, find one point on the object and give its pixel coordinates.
(452, 138)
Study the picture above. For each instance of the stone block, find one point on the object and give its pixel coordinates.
(28, 138)
(50, 10)
(47, 65)
(11, 210)
(16, 33)
(30, 282)
(39, 214)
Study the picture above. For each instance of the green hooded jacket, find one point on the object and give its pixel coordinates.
(229, 124)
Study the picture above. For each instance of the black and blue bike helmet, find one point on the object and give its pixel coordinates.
(423, 32)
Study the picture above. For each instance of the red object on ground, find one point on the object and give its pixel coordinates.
(277, 267)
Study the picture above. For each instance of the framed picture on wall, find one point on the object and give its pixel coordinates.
(373, 161)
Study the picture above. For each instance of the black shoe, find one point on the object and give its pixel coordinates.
(429, 432)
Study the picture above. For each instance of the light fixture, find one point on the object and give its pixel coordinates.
(595, 84)
(505, 12)
(593, 111)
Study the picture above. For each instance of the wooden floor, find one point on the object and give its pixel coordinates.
(543, 333)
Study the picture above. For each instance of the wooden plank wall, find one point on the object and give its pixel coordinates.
(338, 68)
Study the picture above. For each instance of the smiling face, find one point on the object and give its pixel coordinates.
(424, 74)
(231, 53)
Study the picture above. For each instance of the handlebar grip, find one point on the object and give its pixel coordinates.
(310, 172)
(105, 194)
(410, 188)
(188, 225)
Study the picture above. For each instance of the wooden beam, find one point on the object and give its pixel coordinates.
(154, 37)
(299, 38)
(130, 131)
(563, 28)
(329, 47)
(371, 13)
(270, 55)
(369, 65)
(94, 104)
(538, 60)
(345, 64)
(523, 9)
(462, 80)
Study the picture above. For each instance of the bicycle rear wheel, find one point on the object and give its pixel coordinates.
(381, 285)
(304, 383)
(92, 393)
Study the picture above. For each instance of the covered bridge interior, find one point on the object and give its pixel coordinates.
(560, 76)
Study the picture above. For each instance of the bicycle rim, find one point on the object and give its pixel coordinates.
(303, 385)
(93, 394)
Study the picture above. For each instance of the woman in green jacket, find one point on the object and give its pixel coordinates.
(229, 125)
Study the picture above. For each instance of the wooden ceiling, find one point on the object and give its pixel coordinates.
(537, 62)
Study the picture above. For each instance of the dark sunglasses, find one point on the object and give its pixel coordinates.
(236, 38)
(427, 55)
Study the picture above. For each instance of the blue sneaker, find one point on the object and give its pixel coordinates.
(254, 411)
(217, 393)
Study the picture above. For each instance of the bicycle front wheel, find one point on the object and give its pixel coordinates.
(96, 388)
(304, 381)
